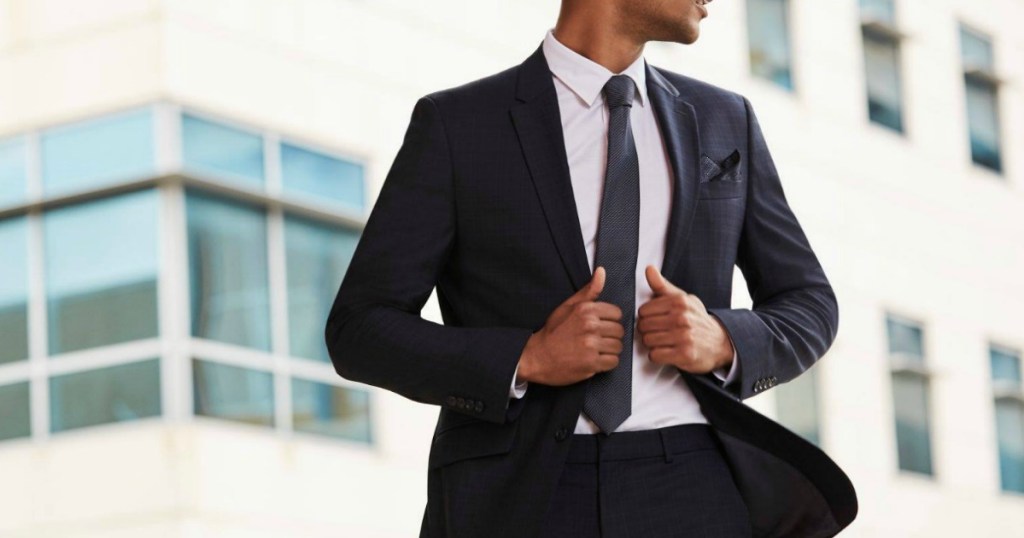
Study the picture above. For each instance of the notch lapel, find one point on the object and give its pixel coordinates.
(677, 121)
(537, 120)
(538, 124)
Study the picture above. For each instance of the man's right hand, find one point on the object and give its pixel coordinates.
(582, 337)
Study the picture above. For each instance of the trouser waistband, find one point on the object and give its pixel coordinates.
(625, 445)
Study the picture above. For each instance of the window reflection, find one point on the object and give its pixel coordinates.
(233, 393)
(317, 258)
(797, 404)
(228, 271)
(14, 411)
(13, 290)
(308, 172)
(910, 395)
(768, 38)
(112, 394)
(13, 170)
(98, 151)
(227, 152)
(882, 74)
(329, 410)
(101, 271)
(1009, 411)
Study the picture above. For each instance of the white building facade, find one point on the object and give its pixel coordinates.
(182, 183)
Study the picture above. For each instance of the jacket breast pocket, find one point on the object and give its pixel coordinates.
(468, 440)
(729, 185)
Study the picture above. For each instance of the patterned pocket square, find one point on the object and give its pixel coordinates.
(720, 171)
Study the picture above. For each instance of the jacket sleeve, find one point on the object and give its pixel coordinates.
(374, 331)
(794, 316)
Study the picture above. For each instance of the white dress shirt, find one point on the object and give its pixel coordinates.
(660, 396)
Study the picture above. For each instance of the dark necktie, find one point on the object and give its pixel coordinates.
(608, 399)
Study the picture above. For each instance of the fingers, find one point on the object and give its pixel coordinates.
(663, 304)
(667, 321)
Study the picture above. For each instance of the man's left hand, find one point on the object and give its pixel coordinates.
(678, 330)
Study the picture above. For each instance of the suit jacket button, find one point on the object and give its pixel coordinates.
(451, 400)
(561, 434)
(479, 406)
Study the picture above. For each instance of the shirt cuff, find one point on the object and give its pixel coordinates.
(517, 390)
(733, 371)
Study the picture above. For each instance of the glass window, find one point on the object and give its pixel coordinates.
(329, 410)
(880, 10)
(308, 172)
(911, 403)
(768, 38)
(975, 50)
(101, 271)
(1006, 372)
(13, 170)
(233, 393)
(797, 405)
(1010, 433)
(317, 258)
(13, 290)
(910, 393)
(14, 420)
(983, 123)
(227, 244)
(905, 339)
(227, 152)
(1005, 366)
(98, 151)
(112, 394)
(882, 74)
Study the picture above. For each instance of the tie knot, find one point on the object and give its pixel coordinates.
(619, 91)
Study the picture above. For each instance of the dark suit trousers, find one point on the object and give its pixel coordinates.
(665, 482)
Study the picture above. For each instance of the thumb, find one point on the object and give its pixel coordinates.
(659, 285)
(592, 290)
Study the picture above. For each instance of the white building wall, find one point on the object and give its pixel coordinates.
(901, 223)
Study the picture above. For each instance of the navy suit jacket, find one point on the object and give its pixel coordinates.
(479, 203)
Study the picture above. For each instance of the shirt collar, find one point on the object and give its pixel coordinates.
(585, 77)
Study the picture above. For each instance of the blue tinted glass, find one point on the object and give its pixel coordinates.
(227, 244)
(14, 420)
(112, 394)
(13, 171)
(308, 172)
(1005, 365)
(13, 290)
(975, 50)
(233, 393)
(768, 38)
(797, 404)
(317, 256)
(98, 151)
(905, 339)
(1010, 433)
(911, 403)
(101, 271)
(882, 76)
(224, 151)
(882, 10)
(983, 123)
(330, 410)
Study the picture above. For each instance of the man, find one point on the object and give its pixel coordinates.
(580, 215)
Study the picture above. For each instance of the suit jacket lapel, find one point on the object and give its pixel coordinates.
(677, 120)
(537, 121)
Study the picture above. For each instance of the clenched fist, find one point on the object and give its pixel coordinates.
(679, 330)
(581, 337)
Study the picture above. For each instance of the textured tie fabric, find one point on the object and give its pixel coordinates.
(608, 398)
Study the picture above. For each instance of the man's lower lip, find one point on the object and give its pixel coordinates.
(703, 10)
